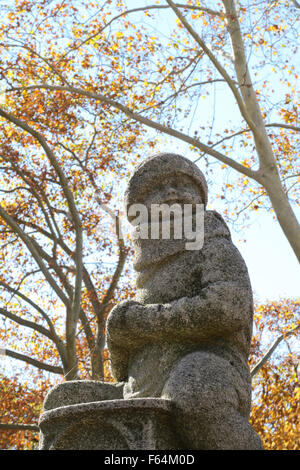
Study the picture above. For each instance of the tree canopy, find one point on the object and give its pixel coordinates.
(88, 88)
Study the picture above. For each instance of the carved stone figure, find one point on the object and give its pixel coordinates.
(187, 336)
(179, 350)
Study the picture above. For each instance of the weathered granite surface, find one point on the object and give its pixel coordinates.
(81, 391)
(142, 424)
(151, 177)
(179, 350)
(187, 336)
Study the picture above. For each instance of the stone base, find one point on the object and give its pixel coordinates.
(135, 424)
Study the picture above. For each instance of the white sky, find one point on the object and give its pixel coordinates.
(273, 267)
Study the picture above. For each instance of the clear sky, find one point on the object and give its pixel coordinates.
(273, 267)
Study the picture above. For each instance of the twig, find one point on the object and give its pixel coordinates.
(19, 427)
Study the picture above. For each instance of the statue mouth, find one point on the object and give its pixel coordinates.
(179, 200)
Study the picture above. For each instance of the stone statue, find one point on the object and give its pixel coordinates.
(187, 337)
(184, 341)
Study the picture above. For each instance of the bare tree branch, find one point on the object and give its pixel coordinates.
(145, 8)
(149, 123)
(19, 427)
(54, 336)
(32, 248)
(284, 126)
(30, 302)
(27, 323)
(73, 311)
(296, 4)
(268, 354)
(215, 62)
(33, 362)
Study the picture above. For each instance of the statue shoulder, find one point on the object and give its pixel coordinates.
(215, 226)
(221, 258)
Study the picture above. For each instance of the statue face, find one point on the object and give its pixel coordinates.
(175, 189)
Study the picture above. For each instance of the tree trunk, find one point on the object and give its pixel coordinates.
(72, 373)
(97, 358)
(283, 210)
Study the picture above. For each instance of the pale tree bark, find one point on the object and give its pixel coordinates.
(267, 174)
(31, 361)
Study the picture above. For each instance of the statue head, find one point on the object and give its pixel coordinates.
(166, 178)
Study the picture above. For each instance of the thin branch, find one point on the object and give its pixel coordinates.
(59, 343)
(266, 357)
(296, 175)
(145, 8)
(215, 62)
(37, 228)
(149, 123)
(244, 131)
(30, 302)
(33, 362)
(248, 205)
(17, 188)
(72, 207)
(32, 248)
(19, 427)
(284, 126)
(27, 323)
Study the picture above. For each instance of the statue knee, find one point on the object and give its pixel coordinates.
(80, 391)
(203, 381)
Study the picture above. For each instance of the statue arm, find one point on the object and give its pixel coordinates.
(218, 312)
(223, 305)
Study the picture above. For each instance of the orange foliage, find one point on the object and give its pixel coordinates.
(20, 403)
(80, 44)
(276, 389)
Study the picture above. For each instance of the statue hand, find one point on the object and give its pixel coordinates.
(118, 321)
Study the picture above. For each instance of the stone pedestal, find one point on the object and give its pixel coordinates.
(138, 424)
